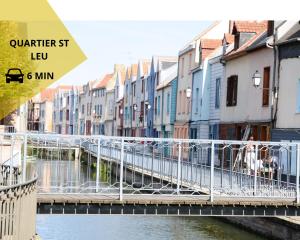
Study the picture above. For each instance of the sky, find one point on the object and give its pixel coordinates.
(106, 43)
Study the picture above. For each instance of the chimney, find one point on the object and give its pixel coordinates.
(270, 30)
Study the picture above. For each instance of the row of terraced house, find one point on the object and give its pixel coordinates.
(235, 79)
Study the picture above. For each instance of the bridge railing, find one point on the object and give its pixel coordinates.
(17, 192)
(18, 211)
(149, 166)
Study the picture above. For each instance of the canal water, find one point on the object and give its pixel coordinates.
(90, 227)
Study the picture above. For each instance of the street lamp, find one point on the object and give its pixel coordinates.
(121, 111)
(148, 106)
(188, 93)
(256, 78)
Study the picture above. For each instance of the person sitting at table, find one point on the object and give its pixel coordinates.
(271, 166)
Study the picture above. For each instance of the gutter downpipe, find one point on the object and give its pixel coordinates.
(274, 107)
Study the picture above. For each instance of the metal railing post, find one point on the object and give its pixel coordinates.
(11, 160)
(297, 174)
(179, 168)
(24, 158)
(255, 170)
(212, 160)
(98, 166)
(121, 170)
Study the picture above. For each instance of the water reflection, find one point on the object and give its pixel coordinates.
(75, 227)
(63, 227)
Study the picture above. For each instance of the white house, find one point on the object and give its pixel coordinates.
(244, 104)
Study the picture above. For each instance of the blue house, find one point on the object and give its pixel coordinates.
(199, 126)
(158, 63)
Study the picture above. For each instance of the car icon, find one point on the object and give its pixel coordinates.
(14, 74)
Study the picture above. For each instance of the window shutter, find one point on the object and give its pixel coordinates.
(235, 86)
(266, 86)
(229, 91)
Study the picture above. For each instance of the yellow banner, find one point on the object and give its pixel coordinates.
(35, 51)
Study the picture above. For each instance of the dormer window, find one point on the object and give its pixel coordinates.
(236, 41)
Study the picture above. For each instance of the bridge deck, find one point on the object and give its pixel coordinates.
(162, 205)
(159, 199)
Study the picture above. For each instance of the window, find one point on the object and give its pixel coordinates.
(266, 87)
(133, 87)
(236, 41)
(133, 114)
(217, 97)
(184, 102)
(67, 114)
(143, 85)
(158, 106)
(232, 84)
(142, 108)
(197, 100)
(155, 104)
(298, 98)
(60, 115)
(157, 78)
(168, 103)
(179, 103)
(182, 67)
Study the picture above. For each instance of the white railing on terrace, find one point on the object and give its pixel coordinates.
(171, 167)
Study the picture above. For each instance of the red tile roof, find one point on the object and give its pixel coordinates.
(243, 48)
(146, 65)
(104, 81)
(48, 94)
(249, 26)
(134, 68)
(210, 43)
(259, 28)
(129, 72)
(64, 87)
(229, 38)
(208, 46)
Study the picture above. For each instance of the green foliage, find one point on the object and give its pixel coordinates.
(14, 94)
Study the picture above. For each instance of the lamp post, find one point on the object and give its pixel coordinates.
(121, 120)
(147, 107)
(188, 93)
(256, 78)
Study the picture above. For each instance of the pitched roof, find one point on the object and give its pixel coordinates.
(146, 65)
(244, 47)
(128, 72)
(198, 36)
(64, 87)
(257, 40)
(104, 81)
(229, 38)
(210, 43)
(48, 94)
(123, 75)
(249, 26)
(133, 71)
